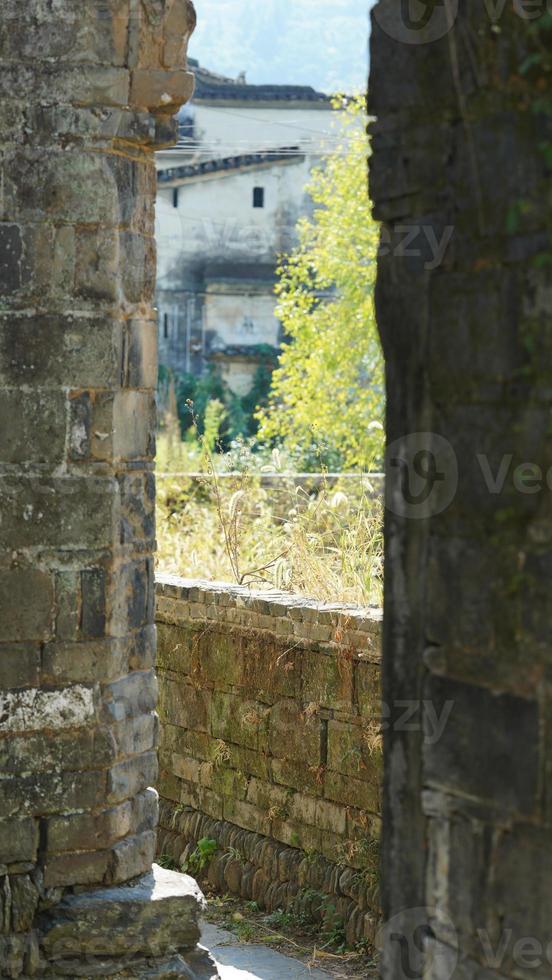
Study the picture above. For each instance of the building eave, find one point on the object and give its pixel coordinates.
(227, 167)
(220, 102)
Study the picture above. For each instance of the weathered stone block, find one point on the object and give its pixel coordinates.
(296, 834)
(368, 690)
(331, 817)
(49, 793)
(96, 272)
(86, 831)
(161, 90)
(294, 734)
(63, 751)
(289, 772)
(13, 274)
(76, 188)
(81, 351)
(18, 840)
(137, 266)
(35, 709)
(184, 705)
(13, 952)
(351, 751)
(327, 680)
(141, 354)
(186, 768)
(90, 661)
(26, 604)
(93, 619)
(269, 797)
(246, 815)
(132, 857)
(56, 512)
(169, 786)
(137, 508)
(130, 697)
(134, 418)
(136, 183)
(36, 428)
(131, 777)
(142, 649)
(521, 855)
(24, 902)
(352, 792)
(236, 720)
(67, 584)
(82, 868)
(133, 736)
(95, 35)
(175, 648)
(160, 911)
(133, 594)
(489, 747)
(19, 665)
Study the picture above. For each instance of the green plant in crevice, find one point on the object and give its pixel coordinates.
(204, 852)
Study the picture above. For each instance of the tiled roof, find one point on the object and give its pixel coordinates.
(212, 87)
(229, 163)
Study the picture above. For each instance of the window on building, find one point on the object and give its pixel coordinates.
(258, 197)
(175, 197)
(165, 326)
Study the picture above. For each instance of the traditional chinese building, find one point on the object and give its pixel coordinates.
(229, 197)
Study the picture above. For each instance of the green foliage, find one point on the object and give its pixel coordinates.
(164, 861)
(215, 414)
(328, 391)
(200, 401)
(205, 850)
(193, 396)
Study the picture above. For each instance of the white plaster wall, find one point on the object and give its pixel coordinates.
(215, 218)
(226, 130)
(238, 375)
(233, 129)
(240, 317)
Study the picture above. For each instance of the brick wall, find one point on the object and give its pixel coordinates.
(269, 708)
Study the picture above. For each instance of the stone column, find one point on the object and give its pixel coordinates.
(88, 90)
(462, 155)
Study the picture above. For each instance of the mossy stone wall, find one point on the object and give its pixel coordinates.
(269, 710)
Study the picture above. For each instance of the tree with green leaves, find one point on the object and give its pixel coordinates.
(327, 396)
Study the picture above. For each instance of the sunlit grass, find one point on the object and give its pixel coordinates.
(324, 543)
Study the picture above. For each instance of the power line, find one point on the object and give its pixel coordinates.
(220, 152)
(270, 122)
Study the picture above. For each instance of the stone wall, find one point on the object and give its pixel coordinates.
(87, 93)
(269, 708)
(462, 140)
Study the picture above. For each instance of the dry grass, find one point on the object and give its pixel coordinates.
(325, 543)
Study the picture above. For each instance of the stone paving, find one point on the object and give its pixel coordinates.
(251, 962)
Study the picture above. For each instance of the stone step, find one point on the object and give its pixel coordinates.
(197, 965)
(149, 928)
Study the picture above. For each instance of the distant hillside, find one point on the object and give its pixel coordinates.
(309, 42)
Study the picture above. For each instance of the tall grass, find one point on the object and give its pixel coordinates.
(322, 541)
